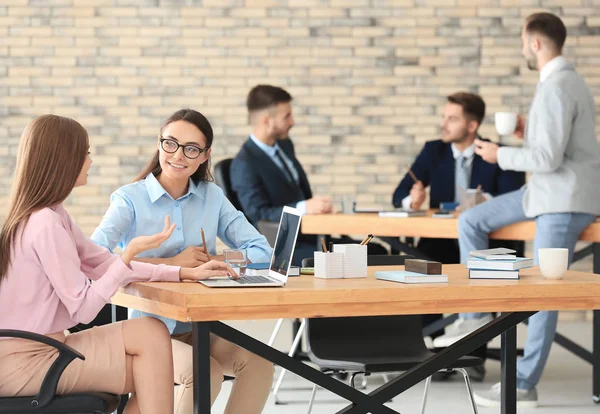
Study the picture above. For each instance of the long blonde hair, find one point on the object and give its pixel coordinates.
(52, 151)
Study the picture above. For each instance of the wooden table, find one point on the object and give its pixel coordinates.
(366, 223)
(447, 228)
(307, 296)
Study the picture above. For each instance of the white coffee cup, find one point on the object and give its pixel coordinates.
(553, 262)
(506, 122)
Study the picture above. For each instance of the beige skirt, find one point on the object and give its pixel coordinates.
(24, 363)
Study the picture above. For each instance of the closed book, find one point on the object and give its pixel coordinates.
(499, 253)
(509, 264)
(404, 276)
(262, 269)
(493, 274)
(400, 213)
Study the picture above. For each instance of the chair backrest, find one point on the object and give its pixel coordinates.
(268, 229)
(334, 338)
(223, 180)
(365, 336)
(387, 259)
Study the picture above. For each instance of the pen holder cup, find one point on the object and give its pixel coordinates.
(329, 265)
(355, 259)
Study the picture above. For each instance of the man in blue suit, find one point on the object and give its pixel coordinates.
(449, 163)
(266, 174)
(445, 165)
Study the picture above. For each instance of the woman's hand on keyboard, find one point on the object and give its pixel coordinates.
(207, 270)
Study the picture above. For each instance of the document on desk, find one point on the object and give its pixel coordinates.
(402, 213)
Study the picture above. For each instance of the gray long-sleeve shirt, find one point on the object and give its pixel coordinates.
(561, 150)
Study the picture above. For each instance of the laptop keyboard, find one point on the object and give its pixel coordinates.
(247, 280)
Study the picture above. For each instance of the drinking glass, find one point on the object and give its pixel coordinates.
(237, 259)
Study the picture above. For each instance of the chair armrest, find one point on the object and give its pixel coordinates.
(308, 262)
(12, 333)
(66, 355)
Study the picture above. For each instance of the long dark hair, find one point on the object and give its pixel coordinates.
(199, 121)
(52, 151)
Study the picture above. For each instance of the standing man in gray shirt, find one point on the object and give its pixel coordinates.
(562, 155)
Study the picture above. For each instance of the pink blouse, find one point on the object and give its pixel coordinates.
(48, 288)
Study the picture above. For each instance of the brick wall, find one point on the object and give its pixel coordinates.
(368, 76)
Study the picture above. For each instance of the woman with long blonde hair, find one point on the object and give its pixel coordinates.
(53, 277)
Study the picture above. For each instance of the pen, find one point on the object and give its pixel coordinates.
(204, 243)
(323, 245)
(366, 240)
(412, 175)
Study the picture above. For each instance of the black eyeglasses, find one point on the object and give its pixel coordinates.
(171, 146)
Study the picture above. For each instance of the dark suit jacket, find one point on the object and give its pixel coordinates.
(434, 166)
(262, 187)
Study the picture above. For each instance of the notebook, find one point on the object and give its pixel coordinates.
(493, 274)
(281, 258)
(403, 276)
(507, 264)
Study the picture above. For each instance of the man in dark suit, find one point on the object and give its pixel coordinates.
(449, 163)
(266, 174)
(444, 165)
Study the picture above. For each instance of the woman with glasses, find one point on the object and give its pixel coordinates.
(177, 182)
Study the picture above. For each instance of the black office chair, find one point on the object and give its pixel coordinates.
(374, 344)
(223, 180)
(46, 401)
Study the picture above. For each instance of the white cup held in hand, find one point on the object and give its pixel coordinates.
(553, 262)
(506, 122)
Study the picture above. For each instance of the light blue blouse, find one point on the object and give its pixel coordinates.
(139, 209)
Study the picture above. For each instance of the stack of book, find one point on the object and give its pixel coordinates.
(498, 263)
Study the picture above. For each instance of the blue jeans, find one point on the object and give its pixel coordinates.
(561, 230)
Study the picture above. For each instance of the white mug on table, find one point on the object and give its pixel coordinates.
(553, 262)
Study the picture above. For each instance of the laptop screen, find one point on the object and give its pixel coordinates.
(286, 242)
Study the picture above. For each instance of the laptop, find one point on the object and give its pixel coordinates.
(281, 258)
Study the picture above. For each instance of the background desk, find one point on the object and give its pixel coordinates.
(365, 223)
(307, 296)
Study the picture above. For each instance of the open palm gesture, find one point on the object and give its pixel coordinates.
(142, 243)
